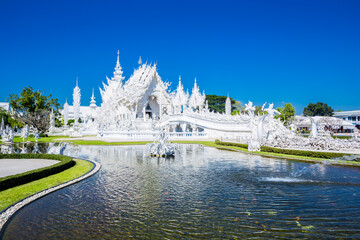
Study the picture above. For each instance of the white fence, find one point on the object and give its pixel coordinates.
(152, 135)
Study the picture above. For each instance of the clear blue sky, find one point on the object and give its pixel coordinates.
(276, 51)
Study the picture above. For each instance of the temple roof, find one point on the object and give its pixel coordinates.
(143, 79)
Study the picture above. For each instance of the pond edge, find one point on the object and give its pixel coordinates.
(7, 213)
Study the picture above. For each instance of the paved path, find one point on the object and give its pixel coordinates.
(15, 166)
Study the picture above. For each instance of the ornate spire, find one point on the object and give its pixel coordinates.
(181, 98)
(228, 106)
(196, 100)
(140, 62)
(118, 70)
(76, 102)
(118, 61)
(93, 102)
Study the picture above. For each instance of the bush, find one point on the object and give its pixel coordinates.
(342, 137)
(305, 153)
(26, 177)
(240, 145)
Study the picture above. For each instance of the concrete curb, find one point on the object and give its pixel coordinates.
(10, 211)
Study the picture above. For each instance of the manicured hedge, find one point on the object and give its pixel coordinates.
(241, 145)
(22, 178)
(305, 153)
(342, 137)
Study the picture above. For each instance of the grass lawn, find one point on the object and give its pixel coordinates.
(15, 194)
(96, 142)
(18, 139)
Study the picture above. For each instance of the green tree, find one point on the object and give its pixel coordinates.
(287, 113)
(33, 108)
(318, 109)
(217, 103)
(71, 122)
(8, 120)
(259, 110)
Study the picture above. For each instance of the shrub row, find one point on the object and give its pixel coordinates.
(342, 137)
(241, 145)
(26, 177)
(305, 153)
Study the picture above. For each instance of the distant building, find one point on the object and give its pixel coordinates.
(5, 105)
(335, 125)
(350, 116)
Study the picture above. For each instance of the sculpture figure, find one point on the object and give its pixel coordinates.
(250, 109)
(271, 111)
(37, 134)
(52, 121)
(7, 135)
(161, 147)
(314, 128)
(25, 132)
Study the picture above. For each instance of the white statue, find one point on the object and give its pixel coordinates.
(271, 111)
(314, 128)
(250, 108)
(52, 121)
(254, 142)
(7, 135)
(66, 113)
(161, 147)
(25, 132)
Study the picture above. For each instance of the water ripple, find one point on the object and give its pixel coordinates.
(202, 193)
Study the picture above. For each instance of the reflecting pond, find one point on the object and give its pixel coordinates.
(201, 193)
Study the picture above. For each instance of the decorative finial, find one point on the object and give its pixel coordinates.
(179, 78)
(140, 62)
(118, 53)
(77, 79)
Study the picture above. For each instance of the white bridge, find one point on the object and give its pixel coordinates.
(186, 126)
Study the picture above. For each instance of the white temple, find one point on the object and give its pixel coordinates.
(143, 105)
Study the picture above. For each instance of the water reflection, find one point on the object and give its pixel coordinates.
(28, 147)
(201, 193)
